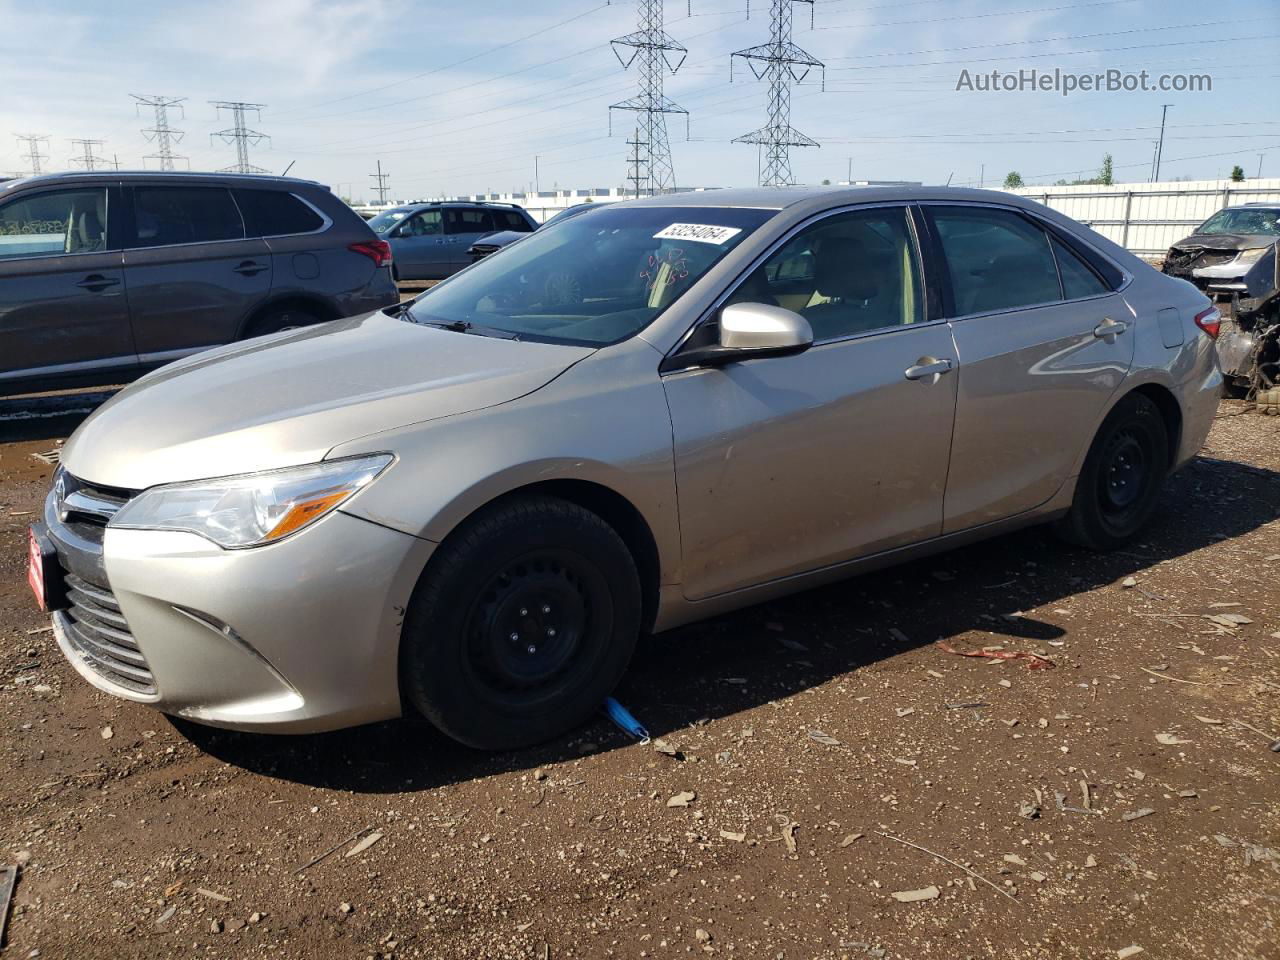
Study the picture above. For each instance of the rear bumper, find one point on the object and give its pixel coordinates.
(299, 636)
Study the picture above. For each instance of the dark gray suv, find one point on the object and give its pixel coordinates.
(106, 275)
(431, 241)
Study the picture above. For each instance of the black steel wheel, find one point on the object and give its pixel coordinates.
(1119, 485)
(522, 624)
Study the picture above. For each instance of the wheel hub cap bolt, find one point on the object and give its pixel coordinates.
(532, 649)
(515, 638)
(551, 631)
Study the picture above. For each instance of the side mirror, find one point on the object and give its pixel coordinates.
(751, 330)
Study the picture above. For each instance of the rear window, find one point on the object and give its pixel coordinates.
(274, 213)
(164, 216)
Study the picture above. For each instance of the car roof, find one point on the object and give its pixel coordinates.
(430, 204)
(177, 176)
(781, 198)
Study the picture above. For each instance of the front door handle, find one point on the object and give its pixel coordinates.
(928, 368)
(250, 268)
(96, 283)
(1109, 329)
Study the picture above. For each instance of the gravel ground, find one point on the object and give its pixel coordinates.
(835, 783)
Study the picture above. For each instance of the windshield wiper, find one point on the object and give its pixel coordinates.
(463, 326)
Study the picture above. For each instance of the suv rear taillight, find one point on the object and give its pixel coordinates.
(379, 251)
(1210, 321)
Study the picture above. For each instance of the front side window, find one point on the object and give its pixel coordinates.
(164, 216)
(55, 223)
(425, 224)
(996, 259)
(847, 274)
(592, 280)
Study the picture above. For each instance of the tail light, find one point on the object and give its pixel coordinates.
(379, 251)
(1210, 321)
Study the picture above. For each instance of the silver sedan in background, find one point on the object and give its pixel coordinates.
(471, 507)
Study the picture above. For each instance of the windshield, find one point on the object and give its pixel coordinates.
(385, 221)
(592, 280)
(570, 213)
(1262, 221)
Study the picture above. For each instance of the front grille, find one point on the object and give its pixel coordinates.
(99, 633)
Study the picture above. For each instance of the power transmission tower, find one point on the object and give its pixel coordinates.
(89, 158)
(162, 135)
(239, 134)
(380, 179)
(783, 63)
(657, 53)
(639, 180)
(34, 156)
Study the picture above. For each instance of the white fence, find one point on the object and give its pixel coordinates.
(1148, 218)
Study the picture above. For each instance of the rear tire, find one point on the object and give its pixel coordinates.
(281, 318)
(1119, 485)
(522, 625)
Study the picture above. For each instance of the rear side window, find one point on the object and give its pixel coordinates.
(170, 215)
(468, 220)
(996, 260)
(1078, 278)
(54, 223)
(274, 213)
(510, 220)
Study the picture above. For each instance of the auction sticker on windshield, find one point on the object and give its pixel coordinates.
(698, 232)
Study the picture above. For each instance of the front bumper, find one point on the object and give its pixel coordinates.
(298, 636)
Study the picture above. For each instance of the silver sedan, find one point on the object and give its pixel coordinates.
(471, 507)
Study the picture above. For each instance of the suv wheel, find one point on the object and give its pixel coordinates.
(523, 624)
(1117, 490)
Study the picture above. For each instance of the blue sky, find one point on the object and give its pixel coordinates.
(440, 93)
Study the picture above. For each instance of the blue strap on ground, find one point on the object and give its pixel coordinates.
(625, 721)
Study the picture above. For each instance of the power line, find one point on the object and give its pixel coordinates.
(380, 179)
(655, 49)
(161, 134)
(34, 156)
(88, 157)
(239, 134)
(782, 62)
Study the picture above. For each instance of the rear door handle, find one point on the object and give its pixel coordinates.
(250, 268)
(1109, 329)
(928, 368)
(96, 283)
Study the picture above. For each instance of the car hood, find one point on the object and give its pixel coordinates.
(289, 399)
(501, 239)
(1225, 241)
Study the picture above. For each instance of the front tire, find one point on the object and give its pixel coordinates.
(1119, 485)
(523, 623)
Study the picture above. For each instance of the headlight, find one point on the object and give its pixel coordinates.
(1252, 254)
(253, 509)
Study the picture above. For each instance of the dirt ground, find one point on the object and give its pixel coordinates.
(828, 754)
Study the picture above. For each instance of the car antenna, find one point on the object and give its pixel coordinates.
(288, 168)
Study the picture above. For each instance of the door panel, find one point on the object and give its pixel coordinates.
(1033, 384)
(793, 463)
(463, 227)
(419, 247)
(193, 277)
(63, 306)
